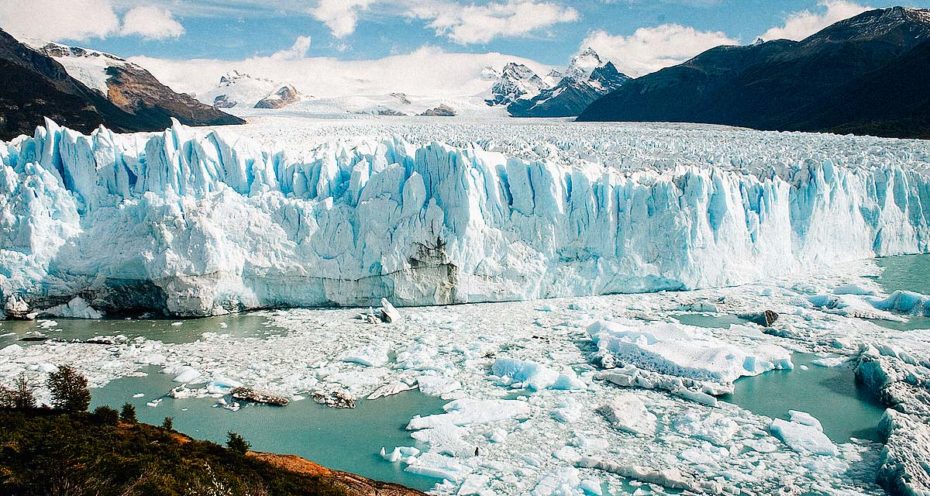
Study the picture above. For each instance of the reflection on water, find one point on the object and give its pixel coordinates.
(348, 440)
(166, 331)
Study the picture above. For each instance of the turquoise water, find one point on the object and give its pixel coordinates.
(905, 273)
(166, 331)
(348, 440)
(709, 320)
(830, 394)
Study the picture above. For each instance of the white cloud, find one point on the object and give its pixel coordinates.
(467, 24)
(428, 71)
(650, 49)
(55, 20)
(340, 16)
(297, 51)
(151, 23)
(800, 25)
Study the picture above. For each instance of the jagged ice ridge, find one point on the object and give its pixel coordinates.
(193, 223)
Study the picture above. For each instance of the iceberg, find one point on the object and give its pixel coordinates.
(190, 222)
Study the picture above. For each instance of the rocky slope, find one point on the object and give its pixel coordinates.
(864, 75)
(48, 452)
(90, 89)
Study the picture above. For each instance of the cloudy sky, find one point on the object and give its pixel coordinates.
(640, 36)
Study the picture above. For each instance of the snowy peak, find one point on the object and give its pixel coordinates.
(586, 79)
(583, 64)
(516, 81)
(87, 66)
(281, 98)
(242, 90)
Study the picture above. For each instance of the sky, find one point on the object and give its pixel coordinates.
(639, 36)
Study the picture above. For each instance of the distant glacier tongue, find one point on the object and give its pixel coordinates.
(192, 223)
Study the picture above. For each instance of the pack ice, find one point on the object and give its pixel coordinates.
(189, 223)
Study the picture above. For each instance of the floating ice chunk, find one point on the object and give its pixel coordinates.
(705, 454)
(628, 413)
(906, 302)
(804, 418)
(803, 434)
(497, 436)
(475, 485)
(591, 487)
(437, 385)
(438, 466)
(372, 355)
(564, 481)
(446, 439)
(852, 289)
(830, 361)
(534, 375)
(77, 308)
(684, 351)
(713, 427)
(568, 412)
(390, 390)
(185, 374)
(389, 314)
(11, 350)
(400, 454)
(469, 412)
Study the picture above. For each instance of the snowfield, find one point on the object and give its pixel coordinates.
(288, 212)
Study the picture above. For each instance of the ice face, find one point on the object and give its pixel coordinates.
(192, 223)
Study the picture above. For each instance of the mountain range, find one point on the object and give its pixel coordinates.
(84, 89)
(865, 75)
(560, 94)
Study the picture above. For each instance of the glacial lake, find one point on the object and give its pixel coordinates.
(342, 439)
(845, 409)
(905, 273)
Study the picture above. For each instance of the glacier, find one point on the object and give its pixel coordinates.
(189, 222)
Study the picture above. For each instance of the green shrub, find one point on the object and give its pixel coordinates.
(128, 413)
(168, 423)
(105, 415)
(69, 390)
(24, 397)
(237, 443)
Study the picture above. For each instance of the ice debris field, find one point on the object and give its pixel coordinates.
(578, 395)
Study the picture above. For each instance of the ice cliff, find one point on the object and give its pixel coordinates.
(193, 223)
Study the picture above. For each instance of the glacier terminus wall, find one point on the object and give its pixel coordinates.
(189, 222)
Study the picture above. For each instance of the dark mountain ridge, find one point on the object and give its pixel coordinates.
(837, 80)
(33, 85)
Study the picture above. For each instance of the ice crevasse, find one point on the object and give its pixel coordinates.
(192, 223)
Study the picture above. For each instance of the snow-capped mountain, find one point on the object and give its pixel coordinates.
(583, 64)
(85, 88)
(586, 79)
(241, 90)
(516, 81)
(284, 96)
